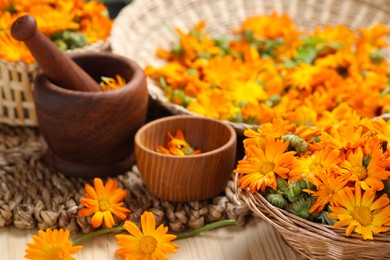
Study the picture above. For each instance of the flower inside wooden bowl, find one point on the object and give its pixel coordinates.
(186, 177)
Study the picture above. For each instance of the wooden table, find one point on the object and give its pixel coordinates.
(256, 240)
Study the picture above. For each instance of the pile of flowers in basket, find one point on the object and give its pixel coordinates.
(318, 152)
(69, 24)
(268, 68)
(338, 174)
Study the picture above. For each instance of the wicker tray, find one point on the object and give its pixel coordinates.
(146, 25)
(311, 240)
(16, 88)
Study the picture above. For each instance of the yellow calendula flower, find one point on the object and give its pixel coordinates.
(51, 244)
(148, 243)
(215, 72)
(361, 213)
(13, 50)
(302, 77)
(103, 201)
(213, 103)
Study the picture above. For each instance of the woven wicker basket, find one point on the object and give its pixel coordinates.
(311, 240)
(146, 25)
(16, 89)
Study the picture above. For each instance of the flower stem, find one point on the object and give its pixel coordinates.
(210, 226)
(188, 234)
(97, 233)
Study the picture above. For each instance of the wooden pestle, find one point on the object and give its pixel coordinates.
(56, 65)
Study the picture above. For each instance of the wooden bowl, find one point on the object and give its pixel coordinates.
(186, 178)
(90, 134)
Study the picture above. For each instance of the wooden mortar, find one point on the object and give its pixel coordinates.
(90, 134)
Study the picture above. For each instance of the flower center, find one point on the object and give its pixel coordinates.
(104, 205)
(360, 172)
(54, 252)
(315, 168)
(148, 244)
(362, 215)
(266, 167)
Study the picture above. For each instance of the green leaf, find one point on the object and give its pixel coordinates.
(307, 54)
(385, 92)
(248, 35)
(203, 55)
(376, 56)
(163, 83)
(177, 49)
(178, 93)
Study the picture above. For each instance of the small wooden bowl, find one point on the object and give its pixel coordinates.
(186, 178)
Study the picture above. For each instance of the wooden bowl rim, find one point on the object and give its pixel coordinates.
(138, 77)
(231, 141)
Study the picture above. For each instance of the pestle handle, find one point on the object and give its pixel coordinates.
(56, 65)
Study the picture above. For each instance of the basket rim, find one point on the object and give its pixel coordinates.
(289, 221)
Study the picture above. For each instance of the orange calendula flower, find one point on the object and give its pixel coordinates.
(103, 201)
(260, 167)
(177, 145)
(51, 244)
(271, 26)
(345, 136)
(195, 42)
(112, 83)
(304, 77)
(374, 36)
(148, 243)
(368, 171)
(361, 212)
(5, 4)
(381, 128)
(276, 129)
(315, 165)
(327, 184)
(69, 24)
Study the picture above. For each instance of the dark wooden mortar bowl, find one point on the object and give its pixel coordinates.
(186, 178)
(91, 134)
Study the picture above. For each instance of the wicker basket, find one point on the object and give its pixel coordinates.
(146, 25)
(311, 240)
(16, 89)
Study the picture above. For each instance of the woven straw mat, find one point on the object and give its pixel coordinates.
(34, 195)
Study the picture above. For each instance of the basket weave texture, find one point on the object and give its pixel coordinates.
(146, 25)
(310, 240)
(16, 88)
